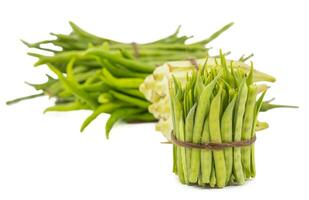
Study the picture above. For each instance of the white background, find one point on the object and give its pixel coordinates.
(45, 156)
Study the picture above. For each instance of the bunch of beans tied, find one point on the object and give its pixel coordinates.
(103, 75)
(214, 118)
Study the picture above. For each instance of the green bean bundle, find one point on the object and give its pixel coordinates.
(104, 75)
(172, 47)
(216, 106)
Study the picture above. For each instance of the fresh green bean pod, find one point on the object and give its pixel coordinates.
(227, 136)
(247, 129)
(172, 106)
(130, 99)
(128, 63)
(181, 130)
(256, 112)
(120, 82)
(74, 88)
(189, 123)
(238, 122)
(10, 102)
(131, 92)
(177, 114)
(119, 71)
(140, 117)
(206, 155)
(105, 108)
(202, 110)
(118, 115)
(215, 136)
(67, 107)
(213, 179)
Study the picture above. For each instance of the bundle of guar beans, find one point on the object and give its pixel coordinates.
(214, 119)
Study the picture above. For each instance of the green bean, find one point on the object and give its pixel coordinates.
(62, 57)
(10, 102)
(126, 54)
(120, 71)
(227, 73)
(215, 35)
(213, 179)
(256, 112)
(172, 90)
(177, 112)
(96, 87)
(130, 99)
(65, 100)
(172, 110)
(227, 136)
(120, 82)
(74, 88)
(84, 76)
(168, 38)
(141, 117)
(267, 106)
(200, 181)
(215, 136)
(105, 108)
(128, 63)
(188, 136)
(238, 122)
(181, 130)
(67, 107)
(132, 92)
(37, 45)
(247, 129)
(118, 115)
(206, 155)
(106, 85)
(79, 31)
(175, 159)
(50, 81)
(201, 112)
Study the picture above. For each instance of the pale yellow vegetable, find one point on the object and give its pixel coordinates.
(155, 86)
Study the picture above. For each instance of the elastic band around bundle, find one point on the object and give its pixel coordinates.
(213, 146)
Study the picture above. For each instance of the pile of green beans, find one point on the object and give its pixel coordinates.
(104, 75)
(216, 105)
(102, 90)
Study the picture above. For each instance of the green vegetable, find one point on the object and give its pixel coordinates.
(215, 137)
(215, 106)
(96, 73)
(238, 123)
(227, 136)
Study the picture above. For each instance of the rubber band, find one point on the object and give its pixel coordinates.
(211, 145)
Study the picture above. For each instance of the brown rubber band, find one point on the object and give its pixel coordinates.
(193, 62)
(135, 49)
(213, 146)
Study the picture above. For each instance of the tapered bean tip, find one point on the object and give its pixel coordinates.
(26, 43)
